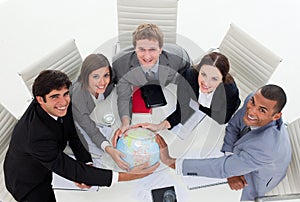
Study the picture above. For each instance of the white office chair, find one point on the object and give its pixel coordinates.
(65, 58)
(7, 123)
(131, 13)
(289, 187)
(252, 64)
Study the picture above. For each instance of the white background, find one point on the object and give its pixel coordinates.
(30, 29)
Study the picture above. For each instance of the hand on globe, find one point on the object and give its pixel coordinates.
(116, 136)
(117, 156)
(154, 127)
(137, 172)
(164, 152)
(139, 146)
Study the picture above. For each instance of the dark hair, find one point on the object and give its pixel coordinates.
(49, 80)
(148, 31)
(90, 64)
(276, 93)
(219, 61)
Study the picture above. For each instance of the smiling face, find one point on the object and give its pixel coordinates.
(98, 81)
(56, 102)
(260, 111)
(148, 52)
(209, 78)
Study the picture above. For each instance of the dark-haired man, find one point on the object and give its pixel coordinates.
(38, 141)
(256, 147)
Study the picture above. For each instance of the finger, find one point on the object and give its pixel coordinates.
(137, 125)
(124, 166)
(117, 135)
(244, 180)
(114, 141)
(154, 167)
(160, 141)
(121, 155)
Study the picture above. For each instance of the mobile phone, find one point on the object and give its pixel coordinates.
(165, 194)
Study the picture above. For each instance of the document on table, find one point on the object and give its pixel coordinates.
(162, 177)
(197, 182)
(59, 182)
(184, 130)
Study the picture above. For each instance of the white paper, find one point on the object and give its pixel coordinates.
(59, 182)
(162, 177)
(184, 130)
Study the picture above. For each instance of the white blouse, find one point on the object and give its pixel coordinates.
(205, 98)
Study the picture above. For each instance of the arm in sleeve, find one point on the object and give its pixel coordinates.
(81, 114)
(228, 166)
(186, 88)
(45, 148)
(124, 92)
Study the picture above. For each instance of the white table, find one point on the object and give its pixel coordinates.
(197, 144)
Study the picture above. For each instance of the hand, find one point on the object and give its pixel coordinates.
(164, 152)
(82, 185)
(237, 182)
(125, 126)
(154, 127)
(117, 157)
(137, 172)
(116, 136)
(151, 126)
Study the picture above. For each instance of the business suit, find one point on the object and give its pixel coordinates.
(36, 150)
(82, 106)
(224, 103)
(261, 155)
(128, 72)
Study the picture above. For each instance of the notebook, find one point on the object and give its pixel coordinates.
(153, 95)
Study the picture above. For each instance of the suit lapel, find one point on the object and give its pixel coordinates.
(250, 134)
(164, 69)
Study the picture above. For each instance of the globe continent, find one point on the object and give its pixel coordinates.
(139, 146)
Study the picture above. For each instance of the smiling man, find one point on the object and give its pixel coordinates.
(39, 139)
(148, 59)
(256, 147)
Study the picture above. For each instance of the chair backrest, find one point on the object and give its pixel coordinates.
(132, 13)
(7, 123)
(289, 187)
(252, 64)
(65, 58)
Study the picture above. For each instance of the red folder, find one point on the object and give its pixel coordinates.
(138, 103)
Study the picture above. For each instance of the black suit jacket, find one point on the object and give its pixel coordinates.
(224, 103)
(36, 150)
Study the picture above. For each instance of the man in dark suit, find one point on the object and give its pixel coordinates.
(148, 59)
(38, 141)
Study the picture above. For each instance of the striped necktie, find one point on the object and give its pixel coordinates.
(150, 75)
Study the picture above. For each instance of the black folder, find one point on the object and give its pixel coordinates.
(153, 95)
